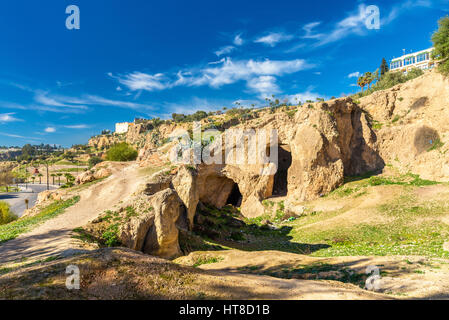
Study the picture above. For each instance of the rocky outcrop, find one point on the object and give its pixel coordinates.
(100, 171)
(146, 223)
(162, 238)
(412, 128)
(186, 185)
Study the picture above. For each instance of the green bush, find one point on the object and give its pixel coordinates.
(121, 152)
(441, 43)
(6, 216)
(390, 79)
(94, 161)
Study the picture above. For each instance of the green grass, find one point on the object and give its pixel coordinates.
(206, 260)
(410, 228)
(406, 225)
(79, 169)
(437, 144)
(12, 230)
(356, 186)
(10, 189)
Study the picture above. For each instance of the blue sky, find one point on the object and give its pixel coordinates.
(152, 58)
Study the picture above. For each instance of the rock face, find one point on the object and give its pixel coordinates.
(318, 146)
(154, 230)
(186, 185)
(413, 127)
(162, 239)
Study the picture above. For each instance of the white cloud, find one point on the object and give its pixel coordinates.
(57, 103)
(8, 117)
(309, 94)
(308, 28)
(77, 126)
(274, 38)
(50, 130)
(238, 41)
(224, 50)
(143, 81)
(354, 75)
(355, 22)
(223, 72)
(264, 85)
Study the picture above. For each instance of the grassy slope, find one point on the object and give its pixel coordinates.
(367, 216)
(12, 230)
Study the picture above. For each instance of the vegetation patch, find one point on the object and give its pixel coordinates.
(206, 260)
(12, 230)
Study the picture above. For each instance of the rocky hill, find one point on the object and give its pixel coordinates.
(353, 178)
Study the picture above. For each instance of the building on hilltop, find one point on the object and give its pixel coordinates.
(121, 127)
(421, 59)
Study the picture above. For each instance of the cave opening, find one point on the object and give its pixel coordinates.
(235, 197)
(280, 187)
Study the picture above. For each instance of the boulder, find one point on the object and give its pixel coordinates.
(162, 238)
(185, 184)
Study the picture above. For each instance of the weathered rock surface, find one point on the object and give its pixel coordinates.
(414, 131)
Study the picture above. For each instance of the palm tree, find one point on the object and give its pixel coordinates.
(361, 82)
(368, 79)
(59, 177)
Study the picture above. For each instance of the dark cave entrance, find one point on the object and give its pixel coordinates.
(235, 197)
(280, 187)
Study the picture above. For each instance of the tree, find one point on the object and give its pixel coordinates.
(59, 178)
(40, 175)
(441, 43)
(53, 177)
(121, 152)
(6, 216)
(384, 67)
(69, 156)
(361, 82)
(6, 179)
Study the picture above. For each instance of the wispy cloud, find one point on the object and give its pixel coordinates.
(264, 85)
(46, 101)
(77, 126)
(8, 117)
(354, 75)
(355, 23)
(224, 50)
(274, 38)
(223, 72)
(50, 130)
(238, 41)
(308, 28)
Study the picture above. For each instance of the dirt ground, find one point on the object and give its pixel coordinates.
(54, 237)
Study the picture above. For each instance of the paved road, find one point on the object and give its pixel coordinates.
(17, 199)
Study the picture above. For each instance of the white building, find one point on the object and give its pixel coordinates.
(121, 127)
(421, 59)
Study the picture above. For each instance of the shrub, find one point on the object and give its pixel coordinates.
(441, 43)
(121, 152)
(94, 161)
(6, 216)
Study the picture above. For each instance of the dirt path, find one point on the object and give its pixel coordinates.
(323, 278)
(54, 237)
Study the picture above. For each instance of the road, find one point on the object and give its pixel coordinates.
(17, 199)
